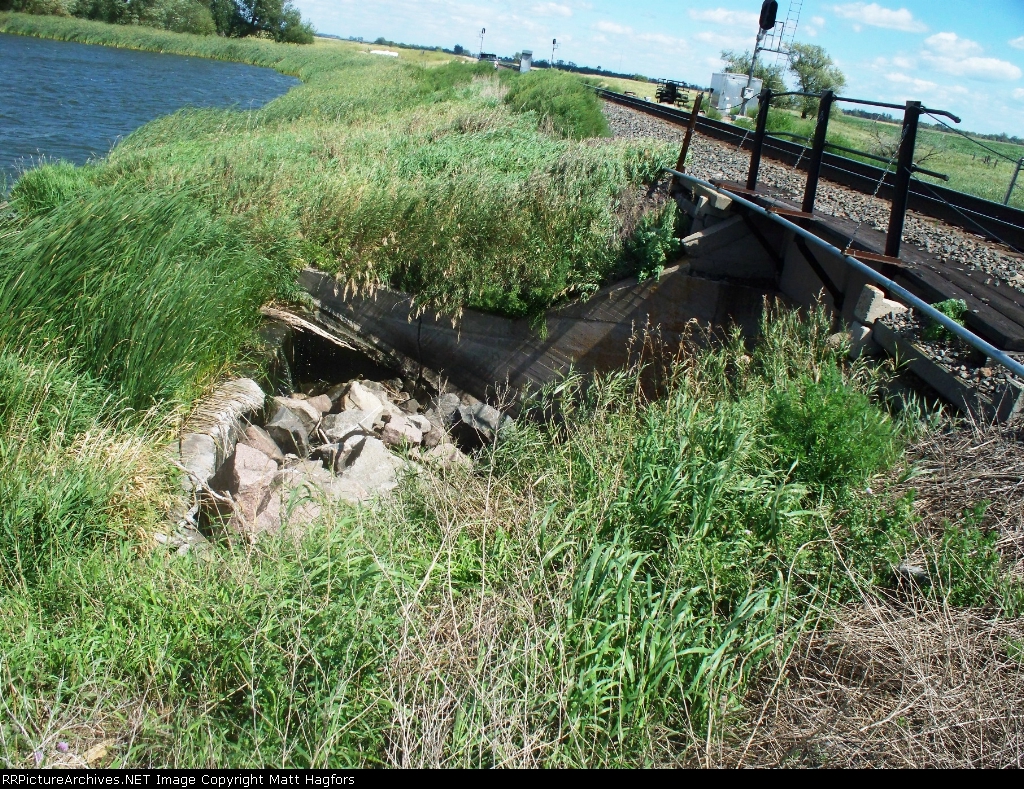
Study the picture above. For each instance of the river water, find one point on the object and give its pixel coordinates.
(62, 100)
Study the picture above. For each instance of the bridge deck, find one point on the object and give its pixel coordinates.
(995, 307)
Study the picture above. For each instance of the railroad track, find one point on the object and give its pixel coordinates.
(996, 222)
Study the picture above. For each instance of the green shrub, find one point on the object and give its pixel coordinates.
(834, 434)
(652, 244)
(572, 108)
(179, 16)
(954, 309)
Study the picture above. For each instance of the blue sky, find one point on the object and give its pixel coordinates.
(967, 57)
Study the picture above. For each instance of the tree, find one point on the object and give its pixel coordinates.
(770, 76)
(278, 19)
(459, 49)
(815, 72)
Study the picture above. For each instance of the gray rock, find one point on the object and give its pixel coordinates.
(377, 389)
(913, 572)
(411, 406)
(372, 471)
(483, 419)
(198, 453)
(447, 456)
(321, 403)
(337, 394)
(359, 398)
(398, 432)
(251, 477)
(288, 432)
(444, 407)
(331, 456)
(258, 438)
(301, 410)
(420, 422)
(338, 427)
(434, 437)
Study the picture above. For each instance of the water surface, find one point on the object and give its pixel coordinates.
(63, 100)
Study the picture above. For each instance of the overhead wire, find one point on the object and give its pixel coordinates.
(968, 137)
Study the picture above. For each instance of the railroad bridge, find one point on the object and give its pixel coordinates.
(745, 243)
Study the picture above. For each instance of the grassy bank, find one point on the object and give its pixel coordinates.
(623, 585)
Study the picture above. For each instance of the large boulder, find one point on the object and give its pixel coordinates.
(301, 410)
(400, 432)
(289, 432)
(258, 438)
(372, 470)
(250, 478)
(338, 427)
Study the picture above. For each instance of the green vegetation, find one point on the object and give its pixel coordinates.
(815, 72)
(954, 309)
(573, 109)
(276, 19)
(607, 587)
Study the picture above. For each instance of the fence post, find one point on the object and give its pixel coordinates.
(817, 150)
(1013, 181)
(755, 154)
(681, 163)
(901, 185)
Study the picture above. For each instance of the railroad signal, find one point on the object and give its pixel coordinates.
(483, 32)
(769, 12)
(554, 46)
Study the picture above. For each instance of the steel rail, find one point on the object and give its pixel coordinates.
(902, 293)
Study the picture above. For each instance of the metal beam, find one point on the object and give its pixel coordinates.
(871, 275)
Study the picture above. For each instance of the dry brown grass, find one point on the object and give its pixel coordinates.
(909, 682)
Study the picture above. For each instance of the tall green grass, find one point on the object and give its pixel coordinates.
(604, 590)
(571, 107)
(149, 294)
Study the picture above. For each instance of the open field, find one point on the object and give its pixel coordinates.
(970, 168)
(634, 577)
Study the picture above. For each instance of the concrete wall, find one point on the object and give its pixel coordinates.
(482, 351)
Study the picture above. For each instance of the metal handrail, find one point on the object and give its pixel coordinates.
(902, 293)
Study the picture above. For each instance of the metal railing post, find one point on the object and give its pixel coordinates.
(1013, 181)
(762, 122)
(817, 150)
(681, 163)
(901, 186)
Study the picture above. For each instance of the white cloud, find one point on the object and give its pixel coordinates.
(722, 40)
(913, 82)
(814, 27)
(725, 16)
(950, 54)
(551, 9)
(1017, 43)
(878, 16)
(951, 45)
(612, 27)
(1019, 93)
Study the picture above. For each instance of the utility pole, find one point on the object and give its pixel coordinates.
(483, 30)
(769, 10)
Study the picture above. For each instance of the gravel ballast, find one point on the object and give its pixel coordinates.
(713, 159)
